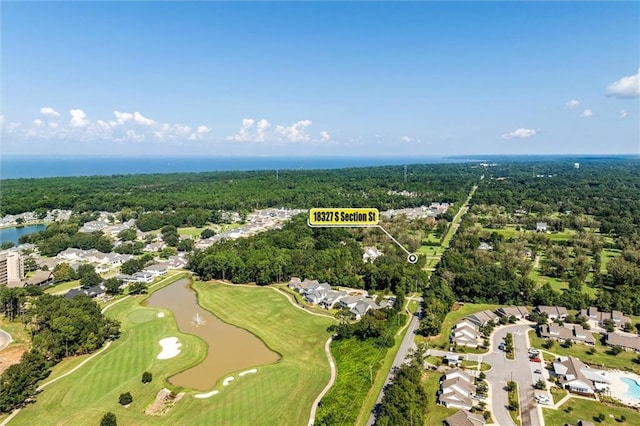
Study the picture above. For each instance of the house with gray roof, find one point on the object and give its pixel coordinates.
(576, 377)
(362, 307)
(464, 418)
(627, 341)
(482, 318)
(519, 312)
(574, 332)
(593, 314)
(553, 312)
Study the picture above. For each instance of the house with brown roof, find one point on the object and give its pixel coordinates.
(456, 393)
(593, 314)
(464, 418)
(519, 312)
(626, 341)
(553, 312)
(576, 377)
(482, 318)
(573, 332)
(465, 333)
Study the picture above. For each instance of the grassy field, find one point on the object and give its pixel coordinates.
(583, 409)
(435, 413)
(557, 393)
(452, 318)
(280, 393)
(556, 283)
(63, 287)
(605, 256)
(624, 361)
(515, 415)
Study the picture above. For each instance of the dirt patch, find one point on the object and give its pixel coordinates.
(163, 403)
(11, 355)
(455, 307)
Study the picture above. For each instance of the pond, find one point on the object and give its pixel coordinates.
(13, 234)
(230, 348)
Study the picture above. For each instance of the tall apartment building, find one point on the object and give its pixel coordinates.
(11, 266)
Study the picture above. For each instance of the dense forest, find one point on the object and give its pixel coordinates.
(333, 255)
(59, 327)
(241, 191)
(586, 211)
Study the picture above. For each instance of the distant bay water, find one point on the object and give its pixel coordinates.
(41, 167)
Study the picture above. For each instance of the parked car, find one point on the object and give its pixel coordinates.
(538, 371)
(536, 360)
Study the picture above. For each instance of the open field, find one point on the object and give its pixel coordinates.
(63, 287)
(582, 409)
(453, 317)
(605, 256)
(279, 393)
(624, 361)
(556, 283)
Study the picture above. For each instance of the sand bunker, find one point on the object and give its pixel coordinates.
(253, 370)
(207, 395)
(227, 381)
(160, 314)
(170, 347)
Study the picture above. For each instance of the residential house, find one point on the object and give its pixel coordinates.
(485, 246)
(40, 278)
(452, 359)
(553, 312)
(541, 227)
(574, 332)
(464, 418)
(576, 377)
(156, 270)
(349, 301)
(519, 312)
(155, 247)
(73, 293)
(71, 254)
(143, 277)
(371, 254)
(332, 297)
(630, 342)
(593, 314)
(465, 333)
(456, 393)
(362, 307)
(482, 318)
(456, 373)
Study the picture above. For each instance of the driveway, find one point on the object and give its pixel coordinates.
(521, 370)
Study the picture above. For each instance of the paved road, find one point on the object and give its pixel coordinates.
(5, 339)
(401, 356)
(520, 370)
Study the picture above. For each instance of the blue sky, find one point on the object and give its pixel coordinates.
(306, 78)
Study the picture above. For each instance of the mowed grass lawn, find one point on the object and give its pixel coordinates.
(587, 410)
(622, 361)
(281, 393)
(452, 318)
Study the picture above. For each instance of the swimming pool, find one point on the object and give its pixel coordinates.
(634, 388)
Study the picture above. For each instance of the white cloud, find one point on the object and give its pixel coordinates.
(78, 118)
(296, 132)
(121, 118)
(324, 136)
(520, 133)
(626, 87)
(127, 127)
(586, 113)
(140, 119)
(263, 131)
(406, 139)
(623, 114)
(49, 112)
(572, 104)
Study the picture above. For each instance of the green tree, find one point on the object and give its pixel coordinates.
(109, 419)
(127, 235)
(207, 233)
(6, 245)
(112, 286)
(63, 272)
(125, 398)
(137, 288)
(147, 377)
